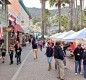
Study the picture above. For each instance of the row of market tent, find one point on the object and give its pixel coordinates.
(70, 36)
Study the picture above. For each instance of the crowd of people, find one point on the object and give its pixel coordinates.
(58, 51)
(13, 50)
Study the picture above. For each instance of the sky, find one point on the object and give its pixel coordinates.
(36, 3)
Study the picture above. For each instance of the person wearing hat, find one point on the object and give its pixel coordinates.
(78, 52)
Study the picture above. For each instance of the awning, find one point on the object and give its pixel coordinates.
(12, 18)
(16, 27)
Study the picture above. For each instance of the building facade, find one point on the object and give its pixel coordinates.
(21, 15)
(4, 22)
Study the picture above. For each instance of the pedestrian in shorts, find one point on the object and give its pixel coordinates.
(49, 54)
(3, 51)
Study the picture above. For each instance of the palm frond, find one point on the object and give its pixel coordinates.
(52, 2)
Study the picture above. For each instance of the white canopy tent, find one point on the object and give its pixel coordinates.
(77, 36)
(60, 36)
(45, 36)
(55, 35)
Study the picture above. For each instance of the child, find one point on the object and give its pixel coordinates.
(3, 51)
(11, 52)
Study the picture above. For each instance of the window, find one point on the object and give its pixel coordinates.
(0, 7)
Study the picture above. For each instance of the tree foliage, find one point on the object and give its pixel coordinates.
(47, 15)
(36, 19)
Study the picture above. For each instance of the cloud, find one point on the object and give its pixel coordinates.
(36, 3)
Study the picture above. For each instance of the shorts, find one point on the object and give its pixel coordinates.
(64, 59)
(49, 59)
(3, 54)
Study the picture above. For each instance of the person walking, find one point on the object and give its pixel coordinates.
(18, 50)
(15, 47)
(59, 57)
(35, 50)
(29, 40)
(11, 53)
(78, 52)
(18, 54)
(84, 63)
(49, 54)
(33, 41)
(64, 47)
(41, 44)
(3, 51)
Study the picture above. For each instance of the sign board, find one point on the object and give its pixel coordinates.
(7, 29)
(3, 19)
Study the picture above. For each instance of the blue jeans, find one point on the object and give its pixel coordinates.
(77, 66)
(84, 71)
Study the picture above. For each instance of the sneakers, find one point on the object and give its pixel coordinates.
(65, 67)
(58, 77)
(48, 69)
(85, 79)
(75, 73)
(81, 73)
(2, 61)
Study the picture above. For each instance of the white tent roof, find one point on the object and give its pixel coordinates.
(61, 36)
(57, 34)
(45, 36)
(78, 35)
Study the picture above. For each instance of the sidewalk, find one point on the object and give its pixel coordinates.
(7, 71)
(38, 69)
(31, 69)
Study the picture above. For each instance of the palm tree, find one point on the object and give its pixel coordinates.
(42, 17)
(71, 14)
(81, 15)
(47, 22)
(58, 4)
(76, 16)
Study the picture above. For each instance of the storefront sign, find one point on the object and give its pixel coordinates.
(3, 19)
(7, 29)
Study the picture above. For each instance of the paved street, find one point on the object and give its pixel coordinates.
(7, 71)
(31, 69)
